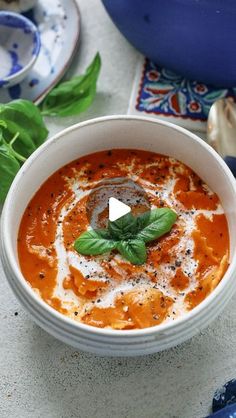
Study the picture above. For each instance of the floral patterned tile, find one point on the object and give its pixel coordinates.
(160, 92)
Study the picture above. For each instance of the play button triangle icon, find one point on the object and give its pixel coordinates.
(117, 209)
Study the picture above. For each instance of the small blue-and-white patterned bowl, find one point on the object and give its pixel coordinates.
(19, 47)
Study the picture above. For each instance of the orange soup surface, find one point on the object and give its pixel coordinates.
(183, 266)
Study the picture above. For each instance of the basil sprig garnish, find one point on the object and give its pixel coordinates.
(128, 235)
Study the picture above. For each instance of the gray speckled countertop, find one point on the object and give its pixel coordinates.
(43, 378)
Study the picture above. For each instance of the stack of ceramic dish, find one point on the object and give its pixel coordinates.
(19, 47)
(36, 47)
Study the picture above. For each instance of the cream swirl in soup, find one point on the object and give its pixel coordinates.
(183, 266)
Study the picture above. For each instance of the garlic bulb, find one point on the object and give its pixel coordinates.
(221, 127)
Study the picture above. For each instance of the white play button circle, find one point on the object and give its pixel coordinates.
(110, 199)
(117, 209)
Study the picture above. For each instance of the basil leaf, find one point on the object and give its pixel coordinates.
(155, 223)
(94, 242)
(133, 250)
(3, 124)
(23, 117)
(124, 227)
(74, 96)
(9, 166)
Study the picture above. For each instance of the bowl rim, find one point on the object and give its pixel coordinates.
(35, 32)
(53, 314)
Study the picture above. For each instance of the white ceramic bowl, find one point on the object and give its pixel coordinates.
(86, 138)
(19, 48)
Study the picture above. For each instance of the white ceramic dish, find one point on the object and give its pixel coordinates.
(19, 48)
(59, 26)
(88, 137)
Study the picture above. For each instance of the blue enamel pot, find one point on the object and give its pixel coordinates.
(195, 38)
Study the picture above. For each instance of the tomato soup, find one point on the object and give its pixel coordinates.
(182, 268)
